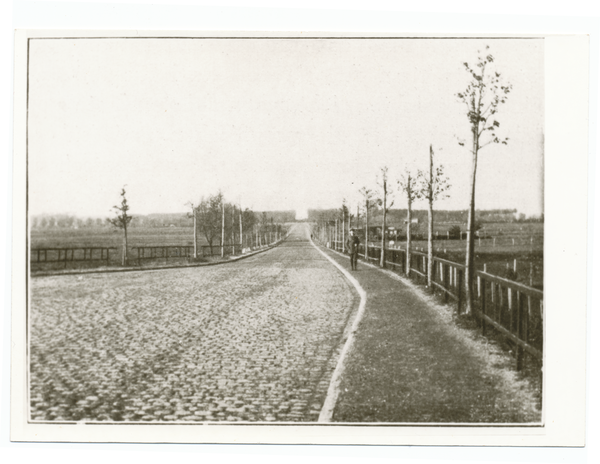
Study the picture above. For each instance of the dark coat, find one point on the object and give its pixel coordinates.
(352, 244)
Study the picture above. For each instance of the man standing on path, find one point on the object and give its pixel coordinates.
(352, 247)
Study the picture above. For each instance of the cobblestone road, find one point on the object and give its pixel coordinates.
(255, 340)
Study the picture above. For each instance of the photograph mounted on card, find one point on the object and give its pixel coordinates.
(295, 238)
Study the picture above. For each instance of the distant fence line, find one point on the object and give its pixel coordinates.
(70, 254)
(513, 309)
(138, 254)
(187, 251)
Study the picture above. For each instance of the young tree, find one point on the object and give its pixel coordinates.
(343, 212)
(369, 201)
(121, 221)
(223, 230)
(483, 96)
(433, 186)
(249, 220)
(409, 186)
(209, 214)
(384, 186)
(264, 224)
(194, 215)
(241, 228)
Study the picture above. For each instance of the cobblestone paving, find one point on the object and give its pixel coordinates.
(255, 340)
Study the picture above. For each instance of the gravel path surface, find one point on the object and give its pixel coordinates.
(255, 340)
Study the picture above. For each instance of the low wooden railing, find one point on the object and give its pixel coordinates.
(513, 309)
(71, 254)
(136, 254)
(142, 253)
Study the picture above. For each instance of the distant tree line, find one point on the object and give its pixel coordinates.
(157, 220)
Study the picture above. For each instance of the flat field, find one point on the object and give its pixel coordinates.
(109, 237)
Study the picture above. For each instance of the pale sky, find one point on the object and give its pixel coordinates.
(275, 124)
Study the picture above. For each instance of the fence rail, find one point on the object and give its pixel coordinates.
(68, 255)
(513, 309)
(162, 252)
(138, 254)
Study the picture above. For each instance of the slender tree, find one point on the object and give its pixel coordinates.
(385, 193)
(223, 231)
(249, 221)
(122, 221)
(194, 215)
(433, 187)
(408, 185)
(482, 97)
(369, 201)
(344, 216)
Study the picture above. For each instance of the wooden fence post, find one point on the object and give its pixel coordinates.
(446, 271)
(483, 325)
(403, 262)
(459, 291)
(519, 349)
(511, 312)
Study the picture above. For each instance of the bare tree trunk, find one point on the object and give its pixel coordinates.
(367, 232)
(469, 265)
(383, 224)
(430, 222)
(125, 261)
(343, 230)
(223, 233)
(241, 230)
(233, 229)
(408, 231)
(195, 233)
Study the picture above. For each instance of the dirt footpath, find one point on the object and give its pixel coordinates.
(411, 363)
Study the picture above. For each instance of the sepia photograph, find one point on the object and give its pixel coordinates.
(285, 230)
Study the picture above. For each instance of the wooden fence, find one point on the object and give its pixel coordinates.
(69, 255)
(513, 309)
(161, 252)
(136, 254)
